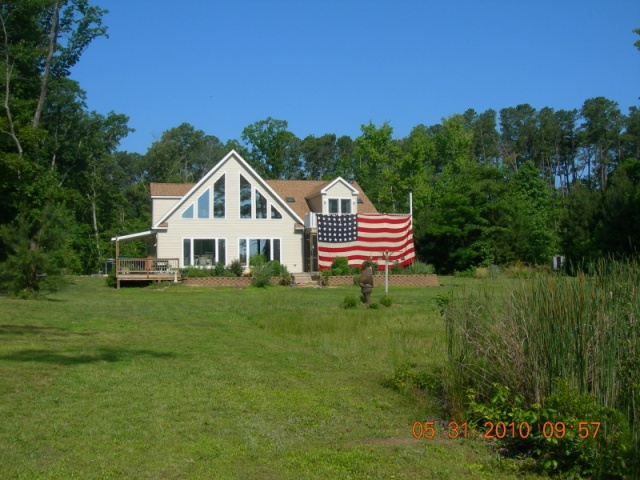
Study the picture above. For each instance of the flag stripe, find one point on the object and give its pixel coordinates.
(376, 233)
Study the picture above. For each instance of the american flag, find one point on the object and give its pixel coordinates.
(365, 237)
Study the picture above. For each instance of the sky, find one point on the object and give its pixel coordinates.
(330, 66)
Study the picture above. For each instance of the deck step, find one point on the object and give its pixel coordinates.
(305, 278)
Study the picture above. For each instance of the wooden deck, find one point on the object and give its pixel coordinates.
(147, 269)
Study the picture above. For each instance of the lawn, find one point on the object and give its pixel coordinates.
(187, 382)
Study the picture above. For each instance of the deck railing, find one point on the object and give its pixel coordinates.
(147, 266)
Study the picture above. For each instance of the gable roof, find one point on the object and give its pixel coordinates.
(299, 190)
(169, 189)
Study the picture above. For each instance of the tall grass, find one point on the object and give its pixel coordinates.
(583, 330)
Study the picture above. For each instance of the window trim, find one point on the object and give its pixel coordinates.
(340, 200)
(253, 198)
(248, 248)
(191, 240)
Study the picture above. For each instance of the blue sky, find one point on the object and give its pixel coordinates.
(330, 66)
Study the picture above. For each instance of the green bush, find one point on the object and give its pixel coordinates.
(468, 273)
(340, 266)
(386, 301)
(553, 431)
(349, 302)
(194, 272)
(111, 278)
(256, 260)
(261, 275)
(420, 268)
(370, 263)
(236, 267)
(218, 270)
(396, 269)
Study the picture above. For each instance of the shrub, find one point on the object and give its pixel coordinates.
(349, 302)
(370, 263)
(386, 301)
(193, 272)
(374, 305)
(256, 260)
(236, 267)
(218, 270)
(326, 276)
(396, 269)
(468, 273)
(111, 278)
(420, 268)
(340, 266)
(553, 430)
(261, 275)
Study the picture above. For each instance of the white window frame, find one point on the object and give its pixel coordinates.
(216, 241)
(248, 248)
(339, 200)
(254, 203)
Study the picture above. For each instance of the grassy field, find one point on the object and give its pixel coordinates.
(185, 382)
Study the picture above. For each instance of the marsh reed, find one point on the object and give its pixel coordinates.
(582, 329)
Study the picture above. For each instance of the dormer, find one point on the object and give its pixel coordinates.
(337, 196)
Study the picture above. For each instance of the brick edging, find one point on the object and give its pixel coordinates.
(394, 280)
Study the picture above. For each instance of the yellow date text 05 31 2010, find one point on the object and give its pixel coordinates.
(500, 430)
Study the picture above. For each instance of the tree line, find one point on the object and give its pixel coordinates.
(488, 187)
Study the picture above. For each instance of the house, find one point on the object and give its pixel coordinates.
(233, 213)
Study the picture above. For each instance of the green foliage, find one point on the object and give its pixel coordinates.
(442, 302)
(370, 263)
(349, 302)
(396, 269)
(261, 275)
(386, 301)
(32, 246)
(407, 378)
(468, 273)
(549, 328)
(340, 266)
(553, 431)
(420, 268)
(236, 267)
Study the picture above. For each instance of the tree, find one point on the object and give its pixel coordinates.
(32, 242)
(378, 157)
(183, 154)
(320, 156)
(273, 150)
(518, 130)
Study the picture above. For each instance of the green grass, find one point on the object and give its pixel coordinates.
(179, 382)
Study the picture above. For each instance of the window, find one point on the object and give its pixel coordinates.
(186, 249)
(275, 213)
(261, 205)
(218, 198)
(245, 198)
(339, 205)
(203, 205)
(267, 247)
(202, 252)
(188, 213)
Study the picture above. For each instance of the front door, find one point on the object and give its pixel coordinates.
(310, 251)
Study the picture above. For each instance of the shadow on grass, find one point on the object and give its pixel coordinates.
(101, 355)
(37, 330)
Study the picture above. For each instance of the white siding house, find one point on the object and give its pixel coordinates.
(233, 213)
